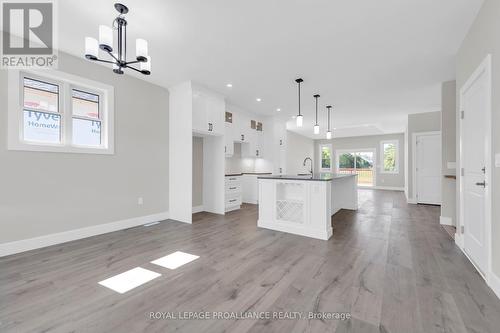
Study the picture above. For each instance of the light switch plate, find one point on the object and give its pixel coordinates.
(497, 160)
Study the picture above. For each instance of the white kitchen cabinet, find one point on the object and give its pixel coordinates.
(250, 189)
(241, 127)
(233, 197)
(208, 112)
(229, 142)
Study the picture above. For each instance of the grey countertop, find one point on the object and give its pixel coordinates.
(316, 177)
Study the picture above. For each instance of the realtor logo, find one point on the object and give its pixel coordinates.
(28, 38)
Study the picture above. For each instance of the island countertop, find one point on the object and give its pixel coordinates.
(315, 177)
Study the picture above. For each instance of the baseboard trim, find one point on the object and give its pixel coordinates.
(494, 283)
(197, 209)
(443, 220)
(411, 201)
(71, 235)
(390, 188)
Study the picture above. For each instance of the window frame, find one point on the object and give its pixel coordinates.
(60, 102)
(382, 159)
(100, 110)
(66, 83)
(321, 169)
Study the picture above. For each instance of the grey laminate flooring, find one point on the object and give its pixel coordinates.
(390, 265)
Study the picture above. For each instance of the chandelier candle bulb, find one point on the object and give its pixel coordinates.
(141, 49)
(91, 48)
(106, 38)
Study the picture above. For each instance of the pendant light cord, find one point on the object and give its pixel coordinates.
(329, 107)
(299, 97)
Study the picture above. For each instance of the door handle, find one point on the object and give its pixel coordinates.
(483, 184)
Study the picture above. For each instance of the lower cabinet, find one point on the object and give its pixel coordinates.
(233, 193)
(250, 189)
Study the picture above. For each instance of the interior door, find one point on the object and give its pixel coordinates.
(429, 169)
(473, 163)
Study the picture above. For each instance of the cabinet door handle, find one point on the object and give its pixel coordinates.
(233, 188)
(232, 178)
(232, 200)
(225, 149)
(242, 137)
(257, 152)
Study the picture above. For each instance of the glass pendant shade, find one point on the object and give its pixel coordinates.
(141, 49)
(91, 48)
(329, 135)
(300, 120)
(146, 66)
(316, 129)
(105, 38)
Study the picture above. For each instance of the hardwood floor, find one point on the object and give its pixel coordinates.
(390, 265)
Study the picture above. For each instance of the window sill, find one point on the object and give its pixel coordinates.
(59, 149)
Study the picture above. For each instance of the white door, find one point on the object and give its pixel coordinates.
(428, 164)
(474, 105)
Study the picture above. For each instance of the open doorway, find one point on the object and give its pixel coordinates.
(361, 162)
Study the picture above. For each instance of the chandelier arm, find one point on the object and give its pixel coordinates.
(113, 56)
(135, 69)
(106, 61)
(133, 62)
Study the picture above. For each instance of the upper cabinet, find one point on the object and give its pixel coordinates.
(208, 112)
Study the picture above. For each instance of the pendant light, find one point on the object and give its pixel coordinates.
(118, 59)
(300, 118)
(329, 133)
(316, 127)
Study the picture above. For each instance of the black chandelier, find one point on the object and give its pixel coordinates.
(105, 43)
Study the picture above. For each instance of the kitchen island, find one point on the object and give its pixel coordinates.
(304, 205)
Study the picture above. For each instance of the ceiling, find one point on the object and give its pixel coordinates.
(375, 61)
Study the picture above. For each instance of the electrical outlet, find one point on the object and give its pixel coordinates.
(140, 201)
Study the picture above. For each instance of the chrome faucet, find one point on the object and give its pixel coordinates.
(304, 164)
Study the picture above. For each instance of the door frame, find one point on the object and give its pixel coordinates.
(483, 68)
(359, 150)
(415, 135)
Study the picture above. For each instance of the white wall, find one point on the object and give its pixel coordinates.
(448, 123)
(45, 193)
(181, 152)
(298, 147)
(482, 39)
(419, 122)
(369, 142)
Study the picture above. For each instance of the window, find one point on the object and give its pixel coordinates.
(41, 118)
(360, 162)
(58, 112)
(86, 120)
(390, 156)
(325, 152)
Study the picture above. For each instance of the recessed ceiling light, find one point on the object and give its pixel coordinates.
(258, 99)
(229, 85)
(278, 109)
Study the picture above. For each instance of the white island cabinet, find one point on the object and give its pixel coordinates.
(304, 205)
